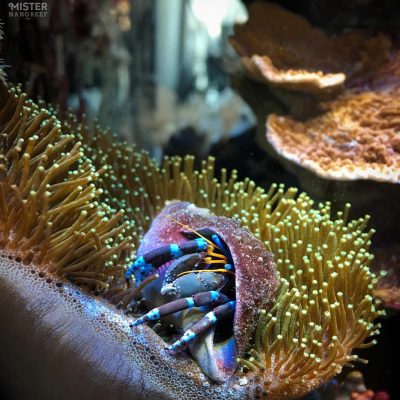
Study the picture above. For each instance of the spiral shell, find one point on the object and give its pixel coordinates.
(255, 279)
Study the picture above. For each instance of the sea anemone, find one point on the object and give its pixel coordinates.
(48, 198)
(61, 225)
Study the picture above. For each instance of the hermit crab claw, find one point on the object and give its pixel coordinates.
(217, 360)
(213, 290)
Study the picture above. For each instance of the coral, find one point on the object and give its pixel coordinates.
(348, 147)
(306, 337)
(60, 217)
(48, 199)
(387, 259)
(390, 296)
(282, 49)
(355, 138)
(352, 384)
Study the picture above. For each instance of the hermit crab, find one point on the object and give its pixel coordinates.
(212, 277)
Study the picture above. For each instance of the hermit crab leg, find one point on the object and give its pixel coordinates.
(147, 263)
(203, 325)
(197, 300)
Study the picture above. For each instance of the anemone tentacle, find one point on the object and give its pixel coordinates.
(61, 202)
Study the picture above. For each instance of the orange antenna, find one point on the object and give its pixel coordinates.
(209, 260)
(192, 230)
(216, 255)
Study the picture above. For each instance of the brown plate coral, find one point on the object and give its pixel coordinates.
(282, 49)
(351, 148)
(356, 138)
(63, 242)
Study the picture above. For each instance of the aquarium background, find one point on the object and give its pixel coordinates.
(162, 74)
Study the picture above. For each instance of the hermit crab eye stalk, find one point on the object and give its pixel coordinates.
(196, 273)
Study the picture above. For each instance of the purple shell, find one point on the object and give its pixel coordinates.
(255, 277)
